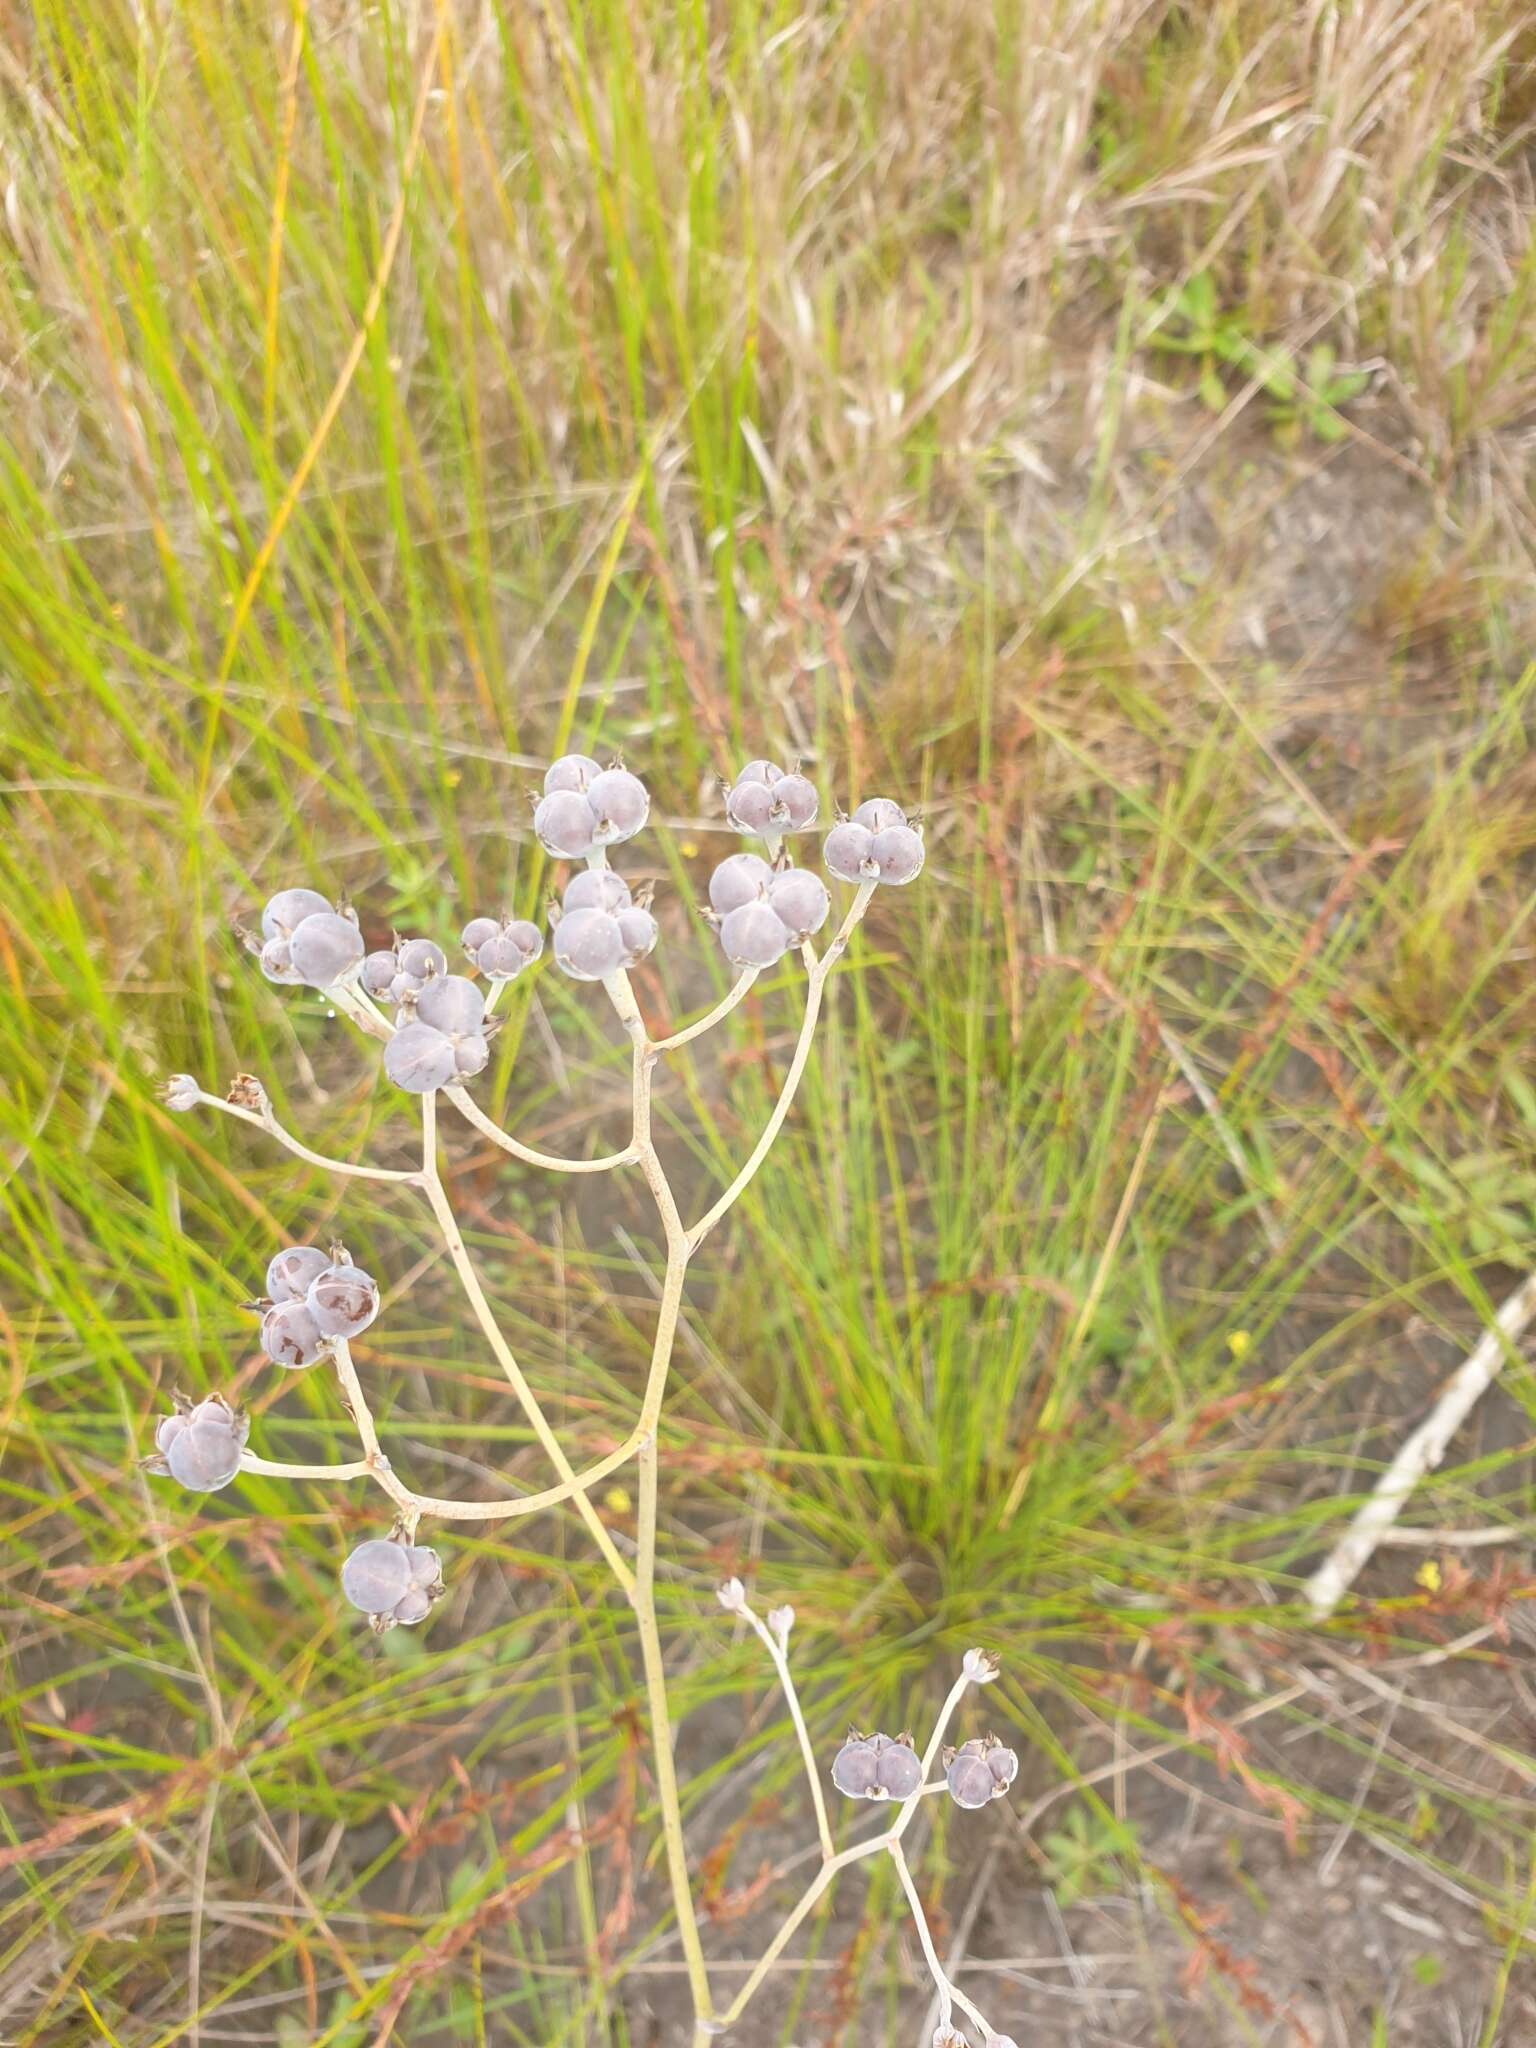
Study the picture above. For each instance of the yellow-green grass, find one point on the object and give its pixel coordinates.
(392, 397)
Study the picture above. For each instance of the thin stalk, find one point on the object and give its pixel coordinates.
(777, 1652)
(442, 1209)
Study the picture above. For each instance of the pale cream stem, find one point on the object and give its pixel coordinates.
(442, 1209)
(816, 981)
(952, 1700)
(780, 1656)
(265, 1120)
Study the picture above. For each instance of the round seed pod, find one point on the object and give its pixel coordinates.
(968, 1778)
(571, 771)
(846, 851)
(477, 931)
(413, 1605)
(421, 958)
(326, 949)
(741, 878)
(377, 1575)
(510, 948)
(749, 806)
(287, 910)
(451, 1004)
(753, 936)
(877, 813)
(276, 962)
(167, 1429)
(598, 889)
(426, 1566)
(290, 1336)
(378, 972)
(620, 802)
(854, 1767)
(639, 932)
(419, 1059)
(470, 1055)
(795, 803)
(899, 1770)
(565, 824)
(589, 944)
(1003, 1764)
(800, 901)
(290, 1272)
(343, 1300)
(898, 853)
(204, 1456)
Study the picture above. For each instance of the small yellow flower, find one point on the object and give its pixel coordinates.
(617, 1501)
(1240, 1343)
(1428, 1576)
(688, 848)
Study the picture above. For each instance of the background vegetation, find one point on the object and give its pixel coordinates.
(1107, 422)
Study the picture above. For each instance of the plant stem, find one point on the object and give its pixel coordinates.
(485, 1316)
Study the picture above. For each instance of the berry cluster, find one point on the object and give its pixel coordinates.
(599, 927)
(312, 1298)
(199, 1443)
(392, 1580)
(763, 910)
(876, 1767)
(877, 844)
(979, 1771)
(501, 947)
(585, 808)
(304, 939)
(398, 973)
(769, 800)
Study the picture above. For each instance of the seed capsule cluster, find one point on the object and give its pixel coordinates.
(398, 973)
(199, 1443)
(877, 1767)
(305, 939)
(763, 910)
(599, 927)
(392, 1580)
(979, 1771)
(585, 807)
(501, 947)
(877, 844)
(443, 1038)
(313, 1297)
(769, 800)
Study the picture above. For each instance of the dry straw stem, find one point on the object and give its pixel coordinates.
(1421, 1453)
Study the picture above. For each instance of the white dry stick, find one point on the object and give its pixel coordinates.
(1421, 1453)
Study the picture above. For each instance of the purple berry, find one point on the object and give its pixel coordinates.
(470, 1054)
(753, 936)
(204, 1456)
(639, 932)
(378, 973)
(419, 1059)
(290, 1272)
(741, 878)
(749, 807)
(565, 824)
(899, 1770)
(877, 812)
(970, 1782)
(421, 959)
(276, 962)
(854, 1766)
(598, 889)
(795, 803)
(620, 805)
(846, 851)
(477, 932)
(800, 901)
(377, 1575)
(571, 771)
(343, 1300)
(287, 910)
(898, 853)
(290, 1336)
(325, 949)
(589, 944)
(451, 1004)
